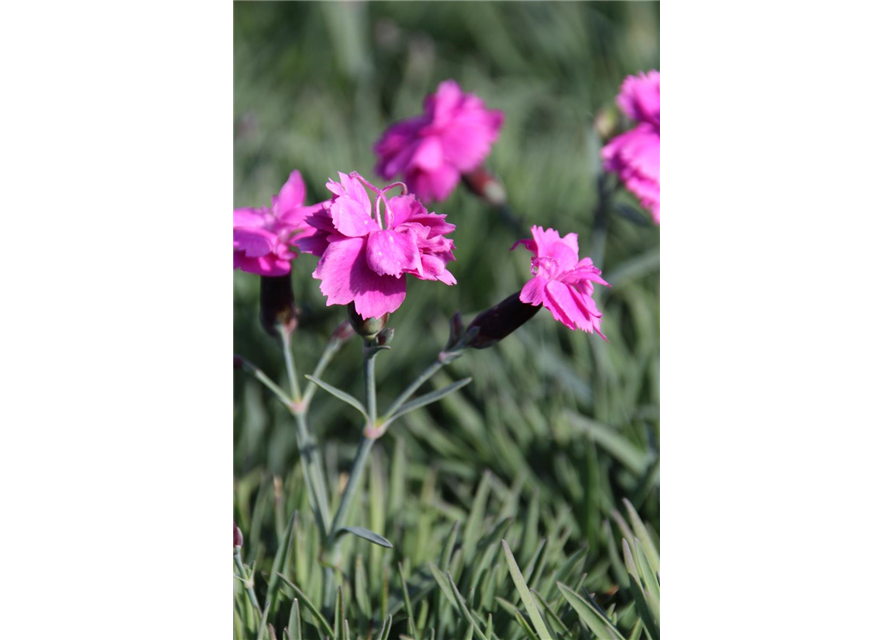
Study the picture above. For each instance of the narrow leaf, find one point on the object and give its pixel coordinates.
(597, 622)
(320, 618)
(341, 395)
(635, 586)
(406, 603)
(642, 534)
(294, 622)
(386, 629)
(428, 398)
(365, 534)
(537, 620)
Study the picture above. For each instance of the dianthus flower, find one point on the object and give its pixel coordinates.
(561, 281)
(433, 150)
(263, 237)
(364, 258)
(635, 155)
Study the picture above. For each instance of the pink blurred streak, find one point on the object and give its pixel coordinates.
(776, 148)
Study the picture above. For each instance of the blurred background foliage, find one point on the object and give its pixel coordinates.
(559, 426)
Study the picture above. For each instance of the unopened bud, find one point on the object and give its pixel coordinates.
(237, 362)
(494, 324)
(237, 536)
(367, 328)
(485, 186)
(277, 305)
(385, 336)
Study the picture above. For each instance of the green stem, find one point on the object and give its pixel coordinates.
(311, 460)
(290, 363)
(333, 542)
(249, 583)
(331, 349)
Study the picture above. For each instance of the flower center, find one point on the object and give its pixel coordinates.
(546, 264)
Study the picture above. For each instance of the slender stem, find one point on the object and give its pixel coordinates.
(369, 375)
(331, 349)
(433, 368)
(311, 460)
(290, 363)
(249, 583)
(356, 473)
(333, 542)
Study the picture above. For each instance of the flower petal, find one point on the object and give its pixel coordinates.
(391, 253)
(351, 218)
(291, 194)
(533, 291)
(561, 303)
(347, 278)
(253, 242)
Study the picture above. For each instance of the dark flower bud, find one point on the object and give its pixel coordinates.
(237, 362)
(277, 305)
(485, 186)
(343, 331)
(366, 328)
(494, 324)
(385, 336)
(237, 536)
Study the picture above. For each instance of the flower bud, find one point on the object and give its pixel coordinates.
(485, 186)
(494, 324)
(237, 536)
(237, 362)
(385, 336)
(277, 305)
(366, 328)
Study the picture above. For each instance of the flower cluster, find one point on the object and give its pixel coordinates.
(367, 247)
(433, 150)
(635, 155)
(263, 237)
(363, 259)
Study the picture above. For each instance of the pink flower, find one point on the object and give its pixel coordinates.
(561, 281)
(262, 237)
(431, 151)
(635, 155)
(364, 258)
(638, 97)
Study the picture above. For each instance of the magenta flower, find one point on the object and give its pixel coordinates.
(364, 258)
(433, 150)
(635, 155)
(263, 237)
(561, 281)
(638, 97)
